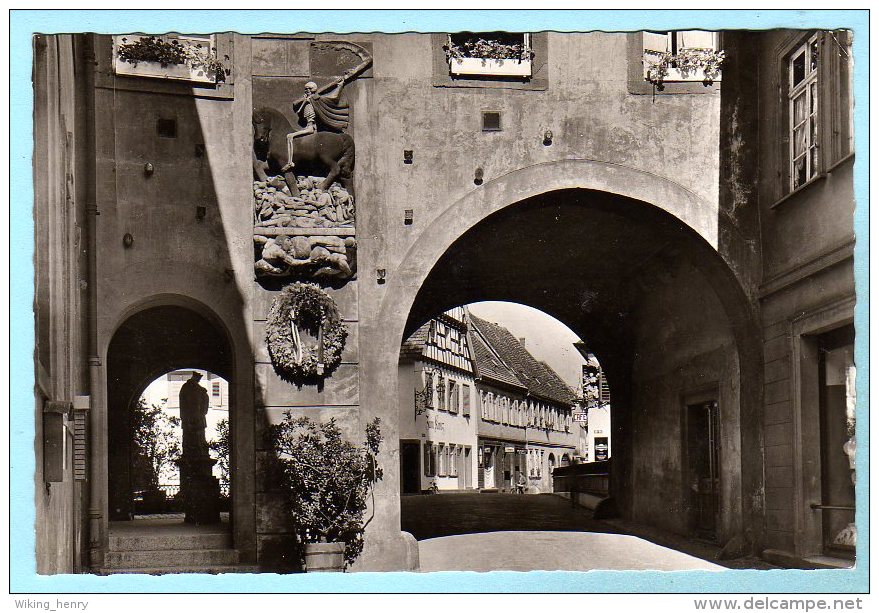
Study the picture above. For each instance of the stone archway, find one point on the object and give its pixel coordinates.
(150, 342)
(651, 238)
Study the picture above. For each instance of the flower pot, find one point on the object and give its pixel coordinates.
(324, 557)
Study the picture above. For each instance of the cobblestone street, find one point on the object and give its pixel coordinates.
(484, 532)
(430, 516)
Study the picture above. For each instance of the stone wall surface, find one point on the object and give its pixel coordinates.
(662, 151)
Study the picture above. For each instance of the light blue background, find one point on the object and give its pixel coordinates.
(23, 24)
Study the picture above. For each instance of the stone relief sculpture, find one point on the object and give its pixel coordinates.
(303, 190)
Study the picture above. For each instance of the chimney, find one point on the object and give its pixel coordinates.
(522, 339)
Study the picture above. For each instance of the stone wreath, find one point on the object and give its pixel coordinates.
(298, 311)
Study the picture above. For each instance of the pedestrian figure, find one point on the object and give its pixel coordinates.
(520, 482)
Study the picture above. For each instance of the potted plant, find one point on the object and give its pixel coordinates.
(186, 58)
(327, 481)
(490, 54)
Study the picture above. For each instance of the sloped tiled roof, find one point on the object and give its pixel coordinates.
(412, 347)
(538, 377)
(488, 365)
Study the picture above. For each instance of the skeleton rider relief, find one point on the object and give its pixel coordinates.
(324, 110)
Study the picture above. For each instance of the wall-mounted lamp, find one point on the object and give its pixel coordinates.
(407, 217)
(199, 150)
(407, 156)
(127, 240)
(148, 169)
(547, 138)
(380, 274)
(200, 213)
(477, 176)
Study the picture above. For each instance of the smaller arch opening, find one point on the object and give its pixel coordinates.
(158, 443)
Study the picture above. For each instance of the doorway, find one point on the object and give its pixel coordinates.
(836, 381)
(410, 467)
(703, 464)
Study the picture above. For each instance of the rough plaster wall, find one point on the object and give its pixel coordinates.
(592, 116)
(684, 346)
(174, 256)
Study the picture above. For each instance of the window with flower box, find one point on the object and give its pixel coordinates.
(497, 54)
(680, 56)
(180, 57)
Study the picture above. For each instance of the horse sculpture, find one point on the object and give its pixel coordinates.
(331, 152)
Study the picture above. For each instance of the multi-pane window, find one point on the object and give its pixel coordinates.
(803, 110)
(453, 396)
(441, 392)
(454, 453)
(429, 460)
(441, 465)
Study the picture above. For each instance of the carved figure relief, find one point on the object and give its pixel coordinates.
(303, 190)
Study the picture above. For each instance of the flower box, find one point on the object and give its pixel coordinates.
(186, 70)
(510, 67)
(177, 72)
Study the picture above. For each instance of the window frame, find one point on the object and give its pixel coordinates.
(813, 111)
(637, 71)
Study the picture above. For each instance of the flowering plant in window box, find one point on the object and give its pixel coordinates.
(184, 58)
(499, 54)
(683, 66)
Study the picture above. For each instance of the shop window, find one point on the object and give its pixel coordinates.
(802, 70)
(490, 54)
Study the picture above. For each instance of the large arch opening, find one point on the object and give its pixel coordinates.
(668, 321)
(159, 342)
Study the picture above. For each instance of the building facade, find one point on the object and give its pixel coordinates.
(472, 422)
(437, 395)
(573, 185)
(799, 123)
